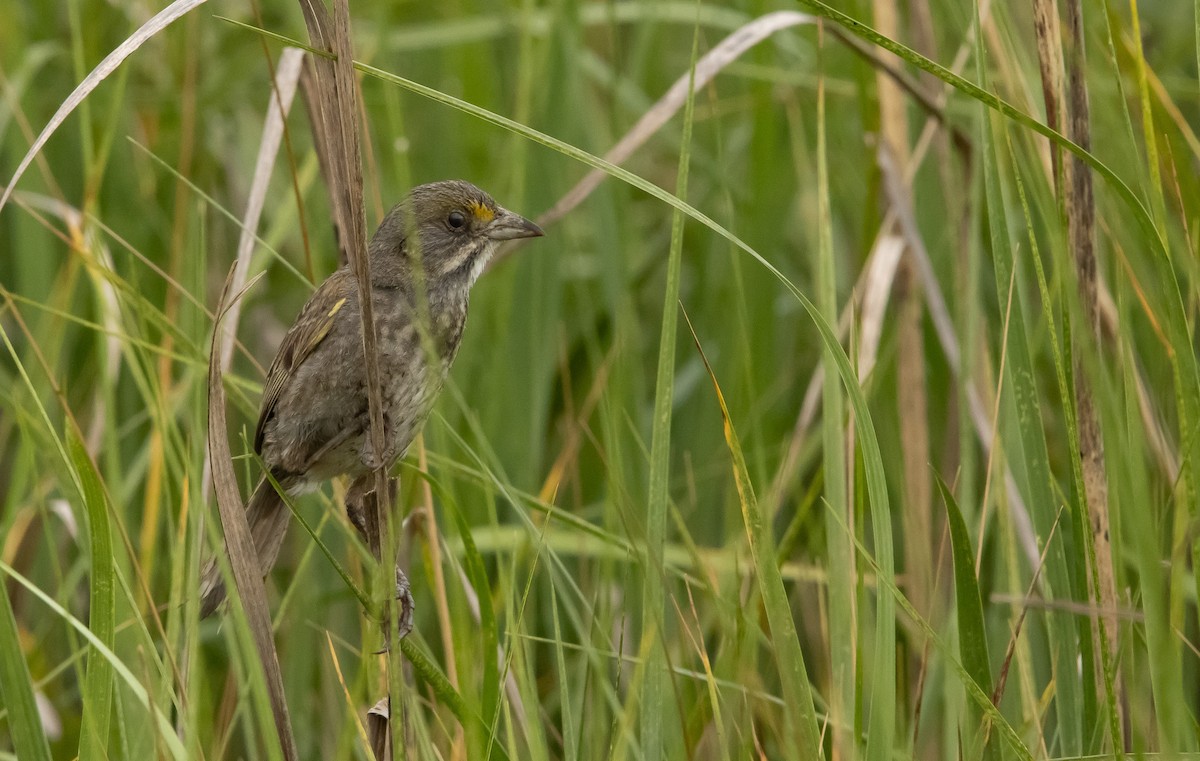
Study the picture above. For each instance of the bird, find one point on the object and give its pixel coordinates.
(313, 423)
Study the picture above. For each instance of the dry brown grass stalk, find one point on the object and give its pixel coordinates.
(243, 558)
(1081, 231)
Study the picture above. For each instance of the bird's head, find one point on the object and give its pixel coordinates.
(457, 228)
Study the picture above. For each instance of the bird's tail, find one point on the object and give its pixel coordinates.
(268, 517)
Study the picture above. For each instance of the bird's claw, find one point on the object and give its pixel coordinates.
(407, 606)
(404, 613)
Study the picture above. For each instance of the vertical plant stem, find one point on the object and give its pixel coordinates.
(843, 613)
(1081, 224)
(658, 499)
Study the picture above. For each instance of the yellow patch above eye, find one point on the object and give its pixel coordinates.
(482, 212)
(336, 307)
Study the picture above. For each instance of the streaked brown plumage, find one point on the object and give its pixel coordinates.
(314, 424)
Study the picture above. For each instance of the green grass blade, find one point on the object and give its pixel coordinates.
(800, 738)
(16, 689)
(842, 601)
(977, 695)
(1000, 106)
(1027, 446)
(490, 687)
(166, 733)
(98, 683)
(972, 636)
(652, 704)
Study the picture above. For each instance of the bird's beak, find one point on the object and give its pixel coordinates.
(509, 226)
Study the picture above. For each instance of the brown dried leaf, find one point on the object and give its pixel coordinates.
(378, 730)
(243, 558)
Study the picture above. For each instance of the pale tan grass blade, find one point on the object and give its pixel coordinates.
(879, 277)
(707, 67)
(943, 325)
(286, 77)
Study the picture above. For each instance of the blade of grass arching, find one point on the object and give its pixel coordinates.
(1029, 446)
(972, 635)
(98, 682)
(800, 737)
(842, 602)
(653, 708)
(16, 691)
(562, 147)
(156, 24)
(1184, 364)
(999, 105)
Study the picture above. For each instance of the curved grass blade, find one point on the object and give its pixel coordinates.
(972, 636)
(799, 715)
(98, 681)
(16, 690)
(999, 105)
(166, 733)
(156, 24)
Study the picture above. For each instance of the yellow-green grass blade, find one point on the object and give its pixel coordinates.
(653, 706)
(98, 682)
(800, 737)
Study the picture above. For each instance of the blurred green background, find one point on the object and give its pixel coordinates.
(115, 245)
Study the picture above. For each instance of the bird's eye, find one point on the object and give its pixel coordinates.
(457, 220)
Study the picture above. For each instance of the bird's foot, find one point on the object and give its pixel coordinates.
(405, 608)
(406, 605)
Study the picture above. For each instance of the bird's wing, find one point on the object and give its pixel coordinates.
(310, 328)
